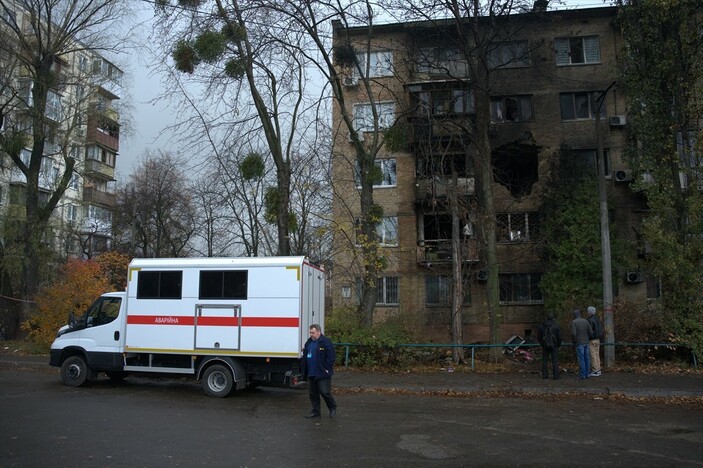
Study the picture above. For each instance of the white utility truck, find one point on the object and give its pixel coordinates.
(229, 322)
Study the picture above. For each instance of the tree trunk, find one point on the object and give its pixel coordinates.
(369, 242)
(457, 332)
(486, 206)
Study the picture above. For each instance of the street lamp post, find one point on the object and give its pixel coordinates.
(609, 350)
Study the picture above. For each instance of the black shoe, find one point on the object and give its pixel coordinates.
(333, 412)
(312, 415)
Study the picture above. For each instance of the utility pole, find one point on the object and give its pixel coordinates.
(609, 350)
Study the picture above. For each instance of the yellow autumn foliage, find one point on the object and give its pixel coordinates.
(79, 284)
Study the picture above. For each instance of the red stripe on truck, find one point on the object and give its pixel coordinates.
(213, 321)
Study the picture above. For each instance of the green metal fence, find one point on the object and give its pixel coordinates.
(474, 347)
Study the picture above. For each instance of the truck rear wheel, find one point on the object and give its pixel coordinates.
(74, 371)
(218, 381)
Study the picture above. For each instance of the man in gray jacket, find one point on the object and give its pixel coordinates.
(581, 331)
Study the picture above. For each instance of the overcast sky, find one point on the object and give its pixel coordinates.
(139, 90)
(150, 119)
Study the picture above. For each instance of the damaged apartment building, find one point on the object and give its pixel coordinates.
(547, 71)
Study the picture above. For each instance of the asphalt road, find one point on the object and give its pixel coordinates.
(144, 422)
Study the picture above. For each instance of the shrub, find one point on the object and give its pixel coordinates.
(79, 283)
(637, 325)
(373, 346)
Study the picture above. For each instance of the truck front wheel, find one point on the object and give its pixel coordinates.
(74, 371)
(218, 381)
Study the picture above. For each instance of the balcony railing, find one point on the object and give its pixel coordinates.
(439, 252)
(100, 169)
(439, 187)
(97, 136)
(94, 196)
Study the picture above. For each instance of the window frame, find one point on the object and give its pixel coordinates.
(565, 48)
(233, 284)
(380, 64)
(592, 155)
(384, 291)
(387, 231)
(437, 60)
(524, 219)
(104, 310)
(166, 281)
(71, 213)
(574, 96)
(521, 99)
(511, 297)
(385, 167)
(444, 286)
(54, 106)
(364, 123)
(508, 57)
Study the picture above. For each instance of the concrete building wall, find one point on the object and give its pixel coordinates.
(544, 81)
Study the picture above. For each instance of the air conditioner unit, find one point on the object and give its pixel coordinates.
(618, 121)
(683, 180)
(359, 133)
(623, 175)
(634, 277)
(482, 275)
(350, 81)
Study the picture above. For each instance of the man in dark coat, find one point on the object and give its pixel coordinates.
(317, 365)
(581, 331)
(549, 336)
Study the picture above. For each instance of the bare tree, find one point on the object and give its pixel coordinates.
(243, 179)
(311, 202)
(155, 213)
(340, 63)
(237, 44)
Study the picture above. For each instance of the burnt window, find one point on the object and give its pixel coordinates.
(520, 288)
(159, 284)
(511, 109)
(228, 284)
(438, 291)
(517, 227)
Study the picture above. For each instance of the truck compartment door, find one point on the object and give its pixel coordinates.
(217, 326)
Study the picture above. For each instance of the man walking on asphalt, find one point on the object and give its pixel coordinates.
(549, 336)
(317, 365)
(582, 331)
(594, 343)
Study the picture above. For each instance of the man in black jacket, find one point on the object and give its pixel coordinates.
(317, 365)
(549, 336)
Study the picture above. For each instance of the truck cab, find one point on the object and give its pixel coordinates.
(92, 342)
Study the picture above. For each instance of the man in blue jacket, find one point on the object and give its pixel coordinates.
(317, 365)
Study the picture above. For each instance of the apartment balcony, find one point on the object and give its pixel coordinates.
(102, 137)
(438, 188)
(439, 252)
(97, 197)
(95, 168)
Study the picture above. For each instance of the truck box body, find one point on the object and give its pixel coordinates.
(177, 315)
